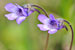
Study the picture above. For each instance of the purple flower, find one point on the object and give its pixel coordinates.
(17, 12)
(51, 24)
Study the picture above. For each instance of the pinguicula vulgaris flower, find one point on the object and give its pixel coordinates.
(50, 24)
(17, 12)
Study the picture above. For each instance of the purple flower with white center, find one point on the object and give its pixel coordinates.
(51, 24)
(17, 12)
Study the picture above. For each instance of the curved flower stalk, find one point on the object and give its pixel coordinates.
(72, 34)
(52, 25)
(18, 12)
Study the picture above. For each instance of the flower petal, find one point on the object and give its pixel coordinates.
(19, 20)
(43, 19)
(52, 31)
(10, 7)
(26, 12)
(30, 12)
(61, 26)
(43, 27)
(51, 17)
(23, 9)
(11, 16)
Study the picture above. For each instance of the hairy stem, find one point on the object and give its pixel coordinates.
(46, 46)
(72, 34)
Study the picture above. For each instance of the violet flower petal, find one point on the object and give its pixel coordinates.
(60, 27)
(52, 31)
(11, 16)
(43, 27)
(26, 12)
(30, 12)
(42, 18)
(23, 10)
(19, 20)
(10, 7)
(51, 17)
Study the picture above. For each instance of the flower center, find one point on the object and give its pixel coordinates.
(20, 13)
(53, 22)
(19, 10)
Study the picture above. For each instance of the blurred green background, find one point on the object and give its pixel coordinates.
(27, 36)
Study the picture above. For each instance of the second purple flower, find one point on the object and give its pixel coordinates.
(51, 24)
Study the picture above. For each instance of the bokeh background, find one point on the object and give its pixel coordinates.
(27, 36)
